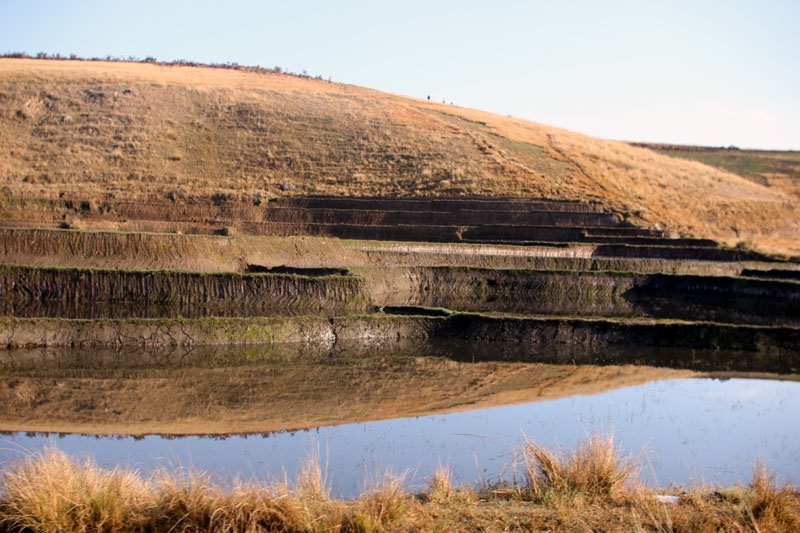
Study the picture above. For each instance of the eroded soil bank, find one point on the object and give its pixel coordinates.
(214, 253)
(540, 272)
(90, 293)
(764, 349)
(33, 292)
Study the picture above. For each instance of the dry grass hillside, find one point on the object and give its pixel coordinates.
(94, 130)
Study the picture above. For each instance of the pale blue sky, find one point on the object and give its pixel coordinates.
(693, 72)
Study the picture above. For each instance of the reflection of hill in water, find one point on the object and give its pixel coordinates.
(257, 389)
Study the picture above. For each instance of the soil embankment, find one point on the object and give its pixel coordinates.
(474, 221)
(760, 349)
(294, 291)
(88, 293)
(562, 267)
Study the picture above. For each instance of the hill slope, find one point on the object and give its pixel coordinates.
(95, 130)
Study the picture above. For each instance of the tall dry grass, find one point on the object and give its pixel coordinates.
(191, 501)
(592, 488)
(595, 469)
(760, 507)
(771, 507)
(49, 491)
(383, 500)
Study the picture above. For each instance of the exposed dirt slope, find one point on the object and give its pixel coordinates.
(123, 130)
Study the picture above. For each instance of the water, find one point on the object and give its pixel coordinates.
(683, 431)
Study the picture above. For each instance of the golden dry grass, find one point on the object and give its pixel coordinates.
(50, 492)
(129, 130)
(594, 469)
(685, 196)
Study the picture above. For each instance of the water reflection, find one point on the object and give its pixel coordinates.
(26, 360)
(686, 430)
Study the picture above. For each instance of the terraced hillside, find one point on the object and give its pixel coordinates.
(148, 205)
(385, 271)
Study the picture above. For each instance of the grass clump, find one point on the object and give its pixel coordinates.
(50, 491)
(383, 501)
(772, 507)
(595, 469)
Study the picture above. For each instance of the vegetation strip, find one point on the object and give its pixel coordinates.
(592, 488)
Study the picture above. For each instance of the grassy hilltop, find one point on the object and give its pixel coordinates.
(133, 131)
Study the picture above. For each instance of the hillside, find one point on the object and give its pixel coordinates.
(82, 136)
(772, 168)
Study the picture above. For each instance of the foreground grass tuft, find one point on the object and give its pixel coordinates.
(592, 488)
(774, 507)
(49, 491)
(595, 469)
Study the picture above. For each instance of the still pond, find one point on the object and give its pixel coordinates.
(683, 431)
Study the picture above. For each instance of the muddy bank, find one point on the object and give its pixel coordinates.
(478, 234)
(470, 220)
(463, 217)
(676, 251)
(441, 204)
(732, 300)
(770, 349)
(346, 210)
(162, 332)
(161, 251)
(772, 274)
(575, 258)
(523, 291)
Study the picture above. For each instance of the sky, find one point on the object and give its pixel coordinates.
(704, 72)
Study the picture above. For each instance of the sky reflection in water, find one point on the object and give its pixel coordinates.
(684, 431)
